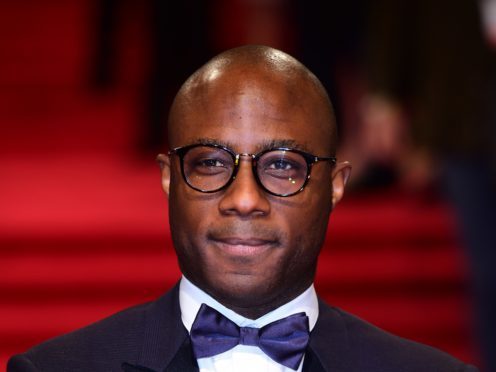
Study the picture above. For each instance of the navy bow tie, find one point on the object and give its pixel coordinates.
(284, 340)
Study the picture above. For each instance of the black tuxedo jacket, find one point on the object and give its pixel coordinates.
(151, 337)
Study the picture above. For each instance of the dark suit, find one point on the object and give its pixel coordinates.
(151, 337)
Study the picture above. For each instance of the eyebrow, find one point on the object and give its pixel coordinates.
(290, 143)
(265, 145)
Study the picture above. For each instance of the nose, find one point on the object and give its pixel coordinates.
(244, 197)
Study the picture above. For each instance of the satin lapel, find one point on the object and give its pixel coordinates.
(126, 367)
(312, 362)
(328, 349)
(184, 359)
(165, 340)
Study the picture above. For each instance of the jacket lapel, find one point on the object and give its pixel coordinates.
(184, 360)
(126, 367)
(328, 343)
(166, 345)
(181, 362)
(311, 362)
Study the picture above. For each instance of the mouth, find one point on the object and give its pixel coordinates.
(243, 247)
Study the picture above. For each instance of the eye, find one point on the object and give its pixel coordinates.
(280, 164)
(204, 161)
(282, 168)
(206, 166)
(210, 163)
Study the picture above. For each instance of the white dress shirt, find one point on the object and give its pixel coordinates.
(243, 358)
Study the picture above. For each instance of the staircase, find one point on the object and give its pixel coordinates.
(84, 225)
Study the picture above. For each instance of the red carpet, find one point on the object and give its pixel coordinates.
(83, 221)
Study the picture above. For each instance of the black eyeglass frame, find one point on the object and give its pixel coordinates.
(309, 158)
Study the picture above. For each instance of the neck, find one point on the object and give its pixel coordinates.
(254, 310)
(251, 312)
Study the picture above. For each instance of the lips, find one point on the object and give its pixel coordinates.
(243, 246)
(254, 242)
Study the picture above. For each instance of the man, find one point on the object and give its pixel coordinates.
(246, 131)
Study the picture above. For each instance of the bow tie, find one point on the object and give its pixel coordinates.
(284, 340)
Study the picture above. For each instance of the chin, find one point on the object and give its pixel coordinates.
(238, 291)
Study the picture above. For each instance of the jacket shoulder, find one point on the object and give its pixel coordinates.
(365, 347)
(103, 345)
(94, 347)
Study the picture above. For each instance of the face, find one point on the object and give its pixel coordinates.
(250, 250)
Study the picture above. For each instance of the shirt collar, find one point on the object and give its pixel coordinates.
(191, 297)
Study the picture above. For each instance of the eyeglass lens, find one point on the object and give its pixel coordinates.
(209, 168)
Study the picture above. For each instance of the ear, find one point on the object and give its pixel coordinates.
(340, 175)
(165, 169)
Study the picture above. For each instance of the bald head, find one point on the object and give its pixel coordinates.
(259, 69)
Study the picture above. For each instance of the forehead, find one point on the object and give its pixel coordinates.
(248, 108)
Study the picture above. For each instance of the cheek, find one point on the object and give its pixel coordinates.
(315, 205)
(187, 207)
(308, 225)
(186, 216)
(187, 230)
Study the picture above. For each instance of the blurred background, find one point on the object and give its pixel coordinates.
(85, 86)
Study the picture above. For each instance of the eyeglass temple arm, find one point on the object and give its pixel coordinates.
(332, 159)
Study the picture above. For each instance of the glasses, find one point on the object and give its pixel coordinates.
(279, 171)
